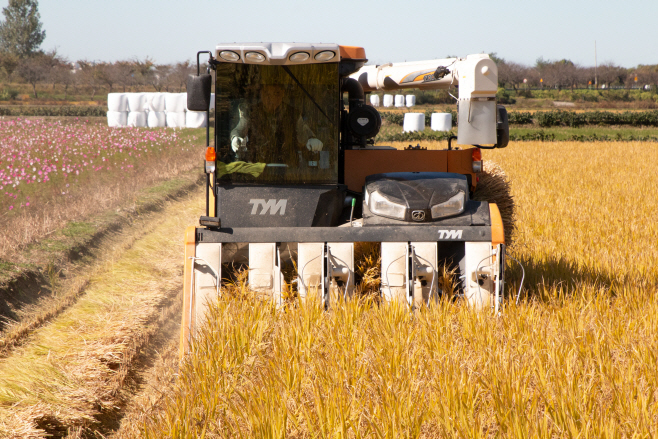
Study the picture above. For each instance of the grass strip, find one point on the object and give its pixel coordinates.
(71, 371)
(88, 237)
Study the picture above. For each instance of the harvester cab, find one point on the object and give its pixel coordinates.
(294, 179)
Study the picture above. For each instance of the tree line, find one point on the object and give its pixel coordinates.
(22, 60)
(95, 76)
(563, 74)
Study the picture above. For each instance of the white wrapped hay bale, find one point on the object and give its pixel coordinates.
(374, 100)
(399, 100)
(117, 102)
(147, 100)
(157, 102)
(175, 119)
(175, 102)
(411, 100)
(137, 119)
(156, 119)
(388, 100)
(441, 122)
(117, 119)
(413, 122)
(136, 102)
(196, 119)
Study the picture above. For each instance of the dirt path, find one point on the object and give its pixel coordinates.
(95, 366)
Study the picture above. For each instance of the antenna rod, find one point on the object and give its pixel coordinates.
(596, 66)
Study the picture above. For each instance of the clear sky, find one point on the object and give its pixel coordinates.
(166, 30)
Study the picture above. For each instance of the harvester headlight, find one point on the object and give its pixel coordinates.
(454, 206)
(228, 55)
(325, 55)
(299, 57)
(383, 207)
(254, 57)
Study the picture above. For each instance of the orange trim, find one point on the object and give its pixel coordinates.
(460, 161)
(359, 163)
(190, 251)
(352, 52)
(497, 229)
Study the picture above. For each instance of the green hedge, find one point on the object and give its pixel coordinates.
(572, 119)
(414, 136)
(520, 118)
(533, 136)
(551, 137)
(556, 118)
(54, 110)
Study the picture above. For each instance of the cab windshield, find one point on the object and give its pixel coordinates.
(277, 124)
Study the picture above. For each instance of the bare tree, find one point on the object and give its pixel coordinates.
(62, 73)
(159, 75)
(90, 76)
(124, 71)
(107, 74)
(179, 74)
(610, 74)
(511, 73)
(142, 72)
(36, 68)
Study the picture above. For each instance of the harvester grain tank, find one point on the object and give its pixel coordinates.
(294, 179)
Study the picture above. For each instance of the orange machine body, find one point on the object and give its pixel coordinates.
(359, 163)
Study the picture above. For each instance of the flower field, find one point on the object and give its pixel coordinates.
(46, 166)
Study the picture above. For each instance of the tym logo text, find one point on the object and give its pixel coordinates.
(272, 206)
(450, 234)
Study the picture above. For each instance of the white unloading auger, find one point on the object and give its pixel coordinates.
(476, 76)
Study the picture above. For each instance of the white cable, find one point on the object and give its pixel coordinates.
(388, 285)
(433, 276)
(477, 268)
(301, 277)
(194, 259)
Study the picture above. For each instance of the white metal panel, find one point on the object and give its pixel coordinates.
(394, 271)
(341, 263)
(207, 270)
(261, 266)
(425, 271)
(478, 269)
(477, 122)
(309, 265)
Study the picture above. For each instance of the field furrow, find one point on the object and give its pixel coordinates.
(72, 372)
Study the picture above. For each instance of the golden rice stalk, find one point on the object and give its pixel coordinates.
(367, 258)
(494, 186)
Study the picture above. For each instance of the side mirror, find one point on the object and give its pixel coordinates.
(502, 128)
(198, 92)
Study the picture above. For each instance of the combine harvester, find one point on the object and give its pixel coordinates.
(294, 178)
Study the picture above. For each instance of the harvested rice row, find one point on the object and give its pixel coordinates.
(72, 369)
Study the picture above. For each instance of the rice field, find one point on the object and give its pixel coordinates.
(575, 358)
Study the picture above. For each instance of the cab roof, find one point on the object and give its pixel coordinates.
(280, 53)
